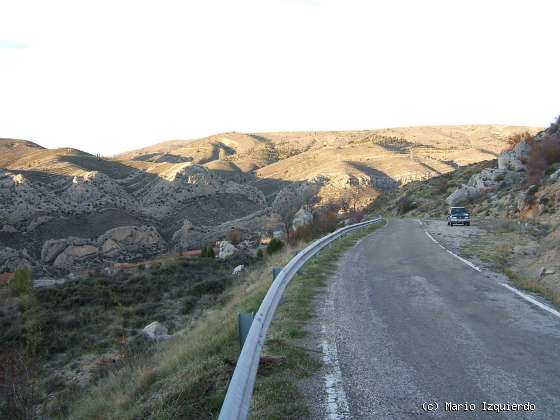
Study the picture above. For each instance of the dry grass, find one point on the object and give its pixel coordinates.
(186, 377)
(533, 286)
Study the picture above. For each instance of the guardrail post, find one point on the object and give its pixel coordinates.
(244, 321)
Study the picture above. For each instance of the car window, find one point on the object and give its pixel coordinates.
(459, 210)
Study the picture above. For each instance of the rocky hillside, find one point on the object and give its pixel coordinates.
(515, 204)
(63, 208)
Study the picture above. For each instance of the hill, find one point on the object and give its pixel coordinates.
(195, 192)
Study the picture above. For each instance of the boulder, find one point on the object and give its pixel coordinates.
(238, 270)
(514, 160)
(155, 331)
(73, 254)
(302, 218)
(226, 250)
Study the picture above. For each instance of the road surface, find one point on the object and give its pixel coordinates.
(407, 327)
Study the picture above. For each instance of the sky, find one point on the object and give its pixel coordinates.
(110, 76)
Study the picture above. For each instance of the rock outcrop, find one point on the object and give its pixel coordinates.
(510, 166)
(95, 190)
(251, 227)
(127, 242)
(124, 243)
(155, 331)
(226, 250)
(301, 218)
(515, 159)
(74, 254)
(189, 182)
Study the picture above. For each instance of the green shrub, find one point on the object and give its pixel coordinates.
(211, 286)
(274, 245)
(405, 204)
(208, 252)
(22, 281)
(188, 304)
(260, 254)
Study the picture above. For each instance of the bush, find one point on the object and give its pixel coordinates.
(274, 245)
(18, 385)
(188, 304)
(518, 138)
(543, 154)
(405, 204)
(22, 281)
(260, 254)
(234, 236)
(207, 287)
(208, 252)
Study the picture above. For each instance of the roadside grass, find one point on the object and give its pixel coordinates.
(187, 376)
(496, 254)
(276, 394)
(496, 249)
(533, 286)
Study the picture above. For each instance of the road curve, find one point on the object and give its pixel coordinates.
(405, 324)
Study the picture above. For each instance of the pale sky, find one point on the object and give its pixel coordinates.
(109, 76)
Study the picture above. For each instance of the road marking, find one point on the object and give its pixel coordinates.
(431, 237)
(533, 301)
(470, 264)
(337, 404)
(513, 289)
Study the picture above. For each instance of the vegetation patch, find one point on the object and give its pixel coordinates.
(276, 394)
(85, 330)
(533, 286)
(187, 376)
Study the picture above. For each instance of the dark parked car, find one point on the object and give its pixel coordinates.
(458, 216)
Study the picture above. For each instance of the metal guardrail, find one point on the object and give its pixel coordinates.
(240, 390)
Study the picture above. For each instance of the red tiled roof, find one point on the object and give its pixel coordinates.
(5, 278)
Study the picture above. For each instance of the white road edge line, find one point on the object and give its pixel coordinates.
(431, 237)
(512, 289)
(470, 264)
(530, 299)
(337, 404)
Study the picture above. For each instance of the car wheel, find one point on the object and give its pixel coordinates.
(468, 223)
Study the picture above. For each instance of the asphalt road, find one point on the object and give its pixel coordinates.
(405, 324)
